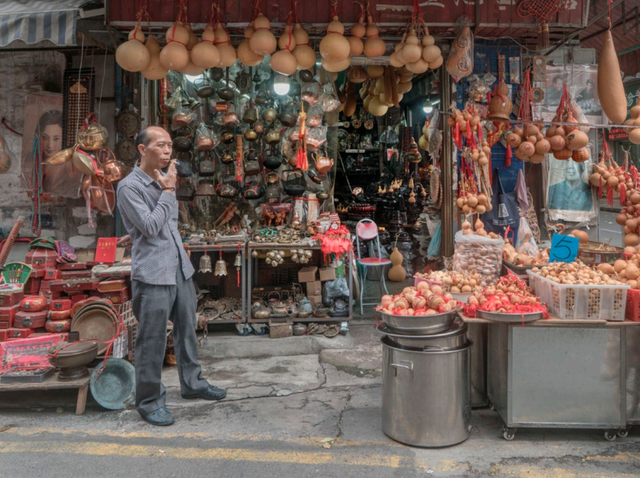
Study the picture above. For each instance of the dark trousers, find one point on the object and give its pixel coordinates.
(154, 305)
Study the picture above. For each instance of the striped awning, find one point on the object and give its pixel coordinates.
(33, 21)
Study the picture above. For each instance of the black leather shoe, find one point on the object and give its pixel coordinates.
(160, 418)
(211, 393)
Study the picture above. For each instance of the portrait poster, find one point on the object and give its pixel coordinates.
(568, 195)
(43, 120)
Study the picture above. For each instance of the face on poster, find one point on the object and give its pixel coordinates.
(581, 83)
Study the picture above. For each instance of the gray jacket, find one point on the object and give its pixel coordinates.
(150, 215)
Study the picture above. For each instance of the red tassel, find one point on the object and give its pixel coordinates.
(610, 195)
(600, 188)
(456, 136)
(623, 195)
(508, 156)
(479, 133)
(634, 174)
(301, 160)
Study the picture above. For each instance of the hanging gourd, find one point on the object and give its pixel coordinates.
(174, 55)
(205, 54)
(305, 56)
(132, 55)
(283, 61)
(610, 87)
(155, 70)
(358, 31)
(334, 47)
(397, 273)
(411, 51)
(245, 53)
(262, 42)
(228, 54)
(374, 45)
(430, 51)
(191, 68)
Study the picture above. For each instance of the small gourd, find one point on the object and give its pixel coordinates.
(397, 273)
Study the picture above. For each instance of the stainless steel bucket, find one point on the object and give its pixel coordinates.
(419, 324)
(477, 333)
(454, 338)
(426, 395)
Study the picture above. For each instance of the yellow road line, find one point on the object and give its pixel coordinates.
(307, 441)
(230, 454)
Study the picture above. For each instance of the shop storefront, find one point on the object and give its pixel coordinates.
(327, 155)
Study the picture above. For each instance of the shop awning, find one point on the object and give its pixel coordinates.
(33, 21)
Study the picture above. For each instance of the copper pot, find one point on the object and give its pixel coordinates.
(112, 169)
(258, 127)
(227, 138)
(272, 137)
(231, 119)
(323, 163)
(269, 115)
(227, 157)
(250, 135)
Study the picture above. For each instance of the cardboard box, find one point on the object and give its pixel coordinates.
(315, 299)
(327, 273)
(307, 274)
(314, 288)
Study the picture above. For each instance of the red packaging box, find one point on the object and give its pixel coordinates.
(79, 274)
(52, 274)
(61, 304)
(8, 313)
(9, 334)
(33, 285)
(30, 320)
(42, 258)
(78, 298)
(11, 298)
(27, 352)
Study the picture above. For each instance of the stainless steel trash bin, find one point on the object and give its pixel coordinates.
(426, 395)
(478, 335)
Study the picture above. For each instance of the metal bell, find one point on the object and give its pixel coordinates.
(221, 268)
(238, 262)
(205, 263)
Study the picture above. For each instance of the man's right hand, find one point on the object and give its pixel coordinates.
(169, 179)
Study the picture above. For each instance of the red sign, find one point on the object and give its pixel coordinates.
(106, 250)
(615, 134)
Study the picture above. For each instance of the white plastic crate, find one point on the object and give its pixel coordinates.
(581, 302)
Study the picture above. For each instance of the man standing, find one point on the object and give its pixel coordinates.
(161, 279)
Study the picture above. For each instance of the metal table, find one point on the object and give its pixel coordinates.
(227, 247)
(251, 278)
(564, 374)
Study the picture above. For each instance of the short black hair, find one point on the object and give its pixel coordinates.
(143, 138)
(557, 78)
(590, 82)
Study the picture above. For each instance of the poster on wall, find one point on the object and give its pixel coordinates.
(43, 120)
(569, 196)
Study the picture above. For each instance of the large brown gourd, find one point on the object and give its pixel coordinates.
(610, 88)
(397, 273)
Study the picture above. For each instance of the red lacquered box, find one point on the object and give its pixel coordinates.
(11, 298)
(60, 304)
(30, 320)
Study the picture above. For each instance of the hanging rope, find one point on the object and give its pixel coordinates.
(36, 186)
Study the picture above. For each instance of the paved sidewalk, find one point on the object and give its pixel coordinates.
(295, 408)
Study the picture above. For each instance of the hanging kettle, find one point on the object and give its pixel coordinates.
(206, 166)
(250, 115)
(92, 135)
(205, 188)
(289, 115)
(204, 89)
(185, 192)
(112, 169)
(227, 157)
(227, 137)
(183, 141)
(269, 115)
(272, 137)
(273, 160)
(322, 162)
(230, 119)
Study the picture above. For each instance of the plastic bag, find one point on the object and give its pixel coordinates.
(316, 137)
(314, 116)
(526, 244)
(478, 253)
(434, 246)
(182, 117)
(330, 101)
(311, 93)
(334, 289)
(205, 138)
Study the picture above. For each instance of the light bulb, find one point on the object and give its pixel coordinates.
(281, 85)
(427, 109)
(192, 79)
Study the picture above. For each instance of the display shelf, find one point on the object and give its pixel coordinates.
(228, 248)
(252, 277)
